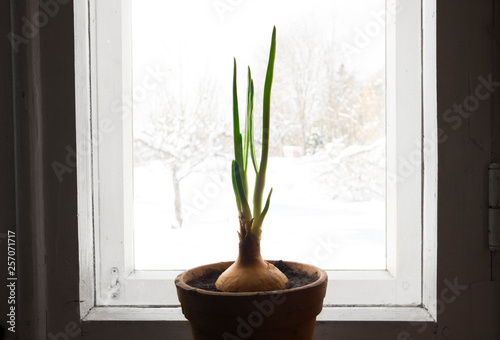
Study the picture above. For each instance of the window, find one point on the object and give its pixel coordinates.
(327, 164)
(109, 120)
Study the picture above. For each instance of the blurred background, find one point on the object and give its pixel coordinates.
(327, 154)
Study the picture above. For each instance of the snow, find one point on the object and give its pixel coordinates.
(328, 203)
(303, 223)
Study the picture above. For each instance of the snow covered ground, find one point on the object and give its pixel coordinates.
(303, 223)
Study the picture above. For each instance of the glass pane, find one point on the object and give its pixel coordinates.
(327, 156)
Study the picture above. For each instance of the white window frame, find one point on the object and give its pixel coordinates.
(110, 287)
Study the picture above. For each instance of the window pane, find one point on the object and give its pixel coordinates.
(327, 157)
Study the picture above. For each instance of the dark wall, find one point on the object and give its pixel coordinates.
(7, 179)
(43, 210)
(495, 132)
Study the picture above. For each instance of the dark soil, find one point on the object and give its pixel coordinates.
(295, 278)
(206, 282)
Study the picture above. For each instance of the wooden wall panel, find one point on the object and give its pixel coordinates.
(495, 117)
(7, 170)
(464, 59)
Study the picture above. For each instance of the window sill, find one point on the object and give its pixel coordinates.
(329, 313)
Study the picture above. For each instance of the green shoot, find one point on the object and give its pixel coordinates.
(244, 148)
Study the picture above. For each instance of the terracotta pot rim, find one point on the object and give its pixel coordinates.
(180, 282)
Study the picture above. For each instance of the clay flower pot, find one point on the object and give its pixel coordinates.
(271, 315)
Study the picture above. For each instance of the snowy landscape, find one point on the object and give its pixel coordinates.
(327, 157)
(303, 224)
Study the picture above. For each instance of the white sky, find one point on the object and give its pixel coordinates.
(214, 31)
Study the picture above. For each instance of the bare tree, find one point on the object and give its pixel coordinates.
(297, 88)
(181, 129)
(353, 167)
(325, 108)
(317, 98)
